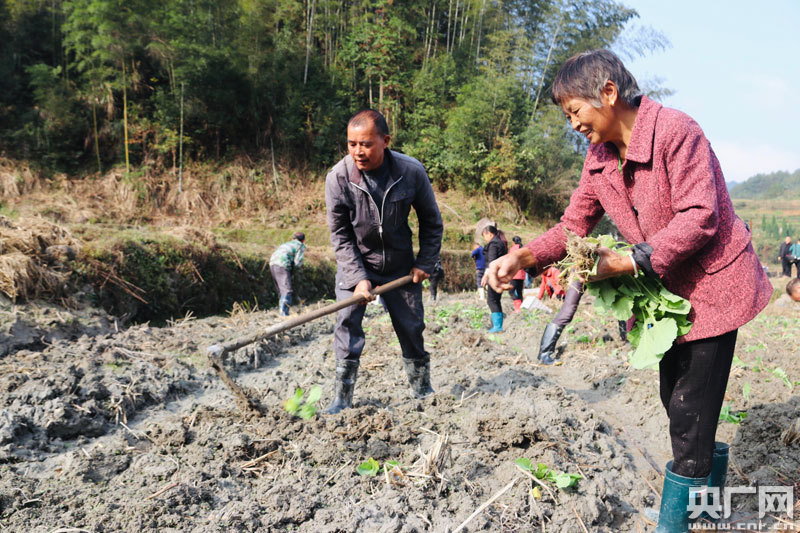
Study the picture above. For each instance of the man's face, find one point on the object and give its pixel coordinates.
(366, 146)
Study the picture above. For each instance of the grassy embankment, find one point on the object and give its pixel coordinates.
(151, 252)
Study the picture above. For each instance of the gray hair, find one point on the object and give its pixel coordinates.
(585, 74)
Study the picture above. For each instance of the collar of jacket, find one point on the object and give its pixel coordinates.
(640, 149)
(355, 174)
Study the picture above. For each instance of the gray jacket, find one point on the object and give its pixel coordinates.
(369, 238)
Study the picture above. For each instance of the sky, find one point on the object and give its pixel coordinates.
(734, 67)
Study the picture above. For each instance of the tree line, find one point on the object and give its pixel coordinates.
(464, 84)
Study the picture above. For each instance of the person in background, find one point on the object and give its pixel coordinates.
(369, 195)
(495, 248)
(436, 276)
(653, 171)
(794, 252)
(785, 256)
(480, 266)
(551, 284)
(518, 281)
(287, 257)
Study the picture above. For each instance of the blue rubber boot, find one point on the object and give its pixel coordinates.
(678, 492)
(497, 322)
(284, 305)
(719, 473)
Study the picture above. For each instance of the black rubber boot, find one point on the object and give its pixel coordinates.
(346, 372)
(419, 376)
(548, 346)
(623, 330)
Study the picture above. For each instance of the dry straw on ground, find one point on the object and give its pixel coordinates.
(31, 255)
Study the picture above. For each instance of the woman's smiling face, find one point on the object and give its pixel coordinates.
(593, 122)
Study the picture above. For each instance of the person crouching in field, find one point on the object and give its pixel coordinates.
(653, 171)
(287, 257)
(369, 195)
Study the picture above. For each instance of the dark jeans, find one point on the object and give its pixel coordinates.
(404, 305)
(283, 282)
(570, 305)
(693, 380)
(516, 292)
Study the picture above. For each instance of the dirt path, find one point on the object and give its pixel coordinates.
(131, 431)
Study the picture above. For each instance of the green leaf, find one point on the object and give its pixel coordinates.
(564, 480)
(746, 391)
(623, 307)
(656, 340)
(314, 394)
(525, 464)
(607, 241)
(608, 293)
(541, 470)
(369, 467)
(684, 326)
(307, 411)
(292, 405)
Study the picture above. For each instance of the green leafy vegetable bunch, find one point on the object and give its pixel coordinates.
(660, 315)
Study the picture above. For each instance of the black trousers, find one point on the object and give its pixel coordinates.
(404, 305)
(693, 380)
(493, 299)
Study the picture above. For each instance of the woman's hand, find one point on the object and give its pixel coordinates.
(500, 271)
(611, 264)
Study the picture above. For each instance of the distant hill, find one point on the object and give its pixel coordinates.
(767, 186)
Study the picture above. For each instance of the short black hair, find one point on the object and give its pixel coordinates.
(365, 116)
(491, 229)
(300, 236)
(517, 239)
(585, 74)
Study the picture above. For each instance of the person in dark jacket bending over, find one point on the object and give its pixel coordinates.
(494, 248)
(369, 195)
(654, 172)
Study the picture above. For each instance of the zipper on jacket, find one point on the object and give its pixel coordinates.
(380, 216)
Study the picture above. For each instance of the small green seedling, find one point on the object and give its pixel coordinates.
(369, 468)
(305, 410)
(746, 391)
(562, 480)
(726, 414)
(781, 373)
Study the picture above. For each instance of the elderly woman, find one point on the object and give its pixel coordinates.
(653, 171)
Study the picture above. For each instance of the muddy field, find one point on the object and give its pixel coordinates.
(104, 429)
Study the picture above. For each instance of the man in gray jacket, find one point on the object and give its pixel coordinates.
(369, 195)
